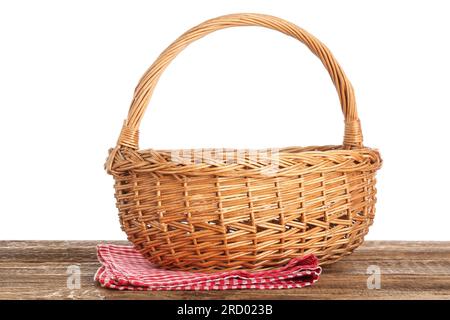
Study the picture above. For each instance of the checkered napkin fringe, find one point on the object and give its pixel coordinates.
(123, 268)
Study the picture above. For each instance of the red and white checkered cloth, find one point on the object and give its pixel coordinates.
(124, 268)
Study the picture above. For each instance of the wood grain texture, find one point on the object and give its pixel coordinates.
(410, 270)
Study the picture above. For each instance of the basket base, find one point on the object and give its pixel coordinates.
(325, 257)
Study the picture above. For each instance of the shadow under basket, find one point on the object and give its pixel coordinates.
(222, 209)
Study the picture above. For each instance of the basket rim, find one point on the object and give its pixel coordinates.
(290, 149)
(287, 161)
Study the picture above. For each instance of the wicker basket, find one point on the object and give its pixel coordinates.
(257, 211)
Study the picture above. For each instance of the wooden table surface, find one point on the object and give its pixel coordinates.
(409, 270)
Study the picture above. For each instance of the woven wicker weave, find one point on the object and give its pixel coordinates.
(254, 212)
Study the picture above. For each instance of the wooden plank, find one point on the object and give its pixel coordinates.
(410, 270)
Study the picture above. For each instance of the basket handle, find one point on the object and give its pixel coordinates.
(143, 92)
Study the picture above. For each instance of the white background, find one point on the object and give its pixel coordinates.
(68, 70)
